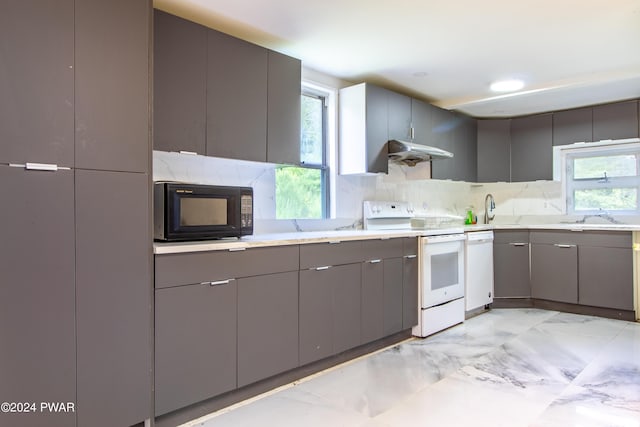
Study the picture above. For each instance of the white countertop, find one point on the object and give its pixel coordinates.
(305, 237)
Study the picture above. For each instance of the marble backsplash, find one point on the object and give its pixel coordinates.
(537, 202)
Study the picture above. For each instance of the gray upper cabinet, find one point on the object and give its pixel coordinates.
(37, 296)
(615, 121)
(421, 121)
(455, 133)
(494, 150)
(113, 298)
(443, 124)
(112, 84)
(573, 126)
(179, 84)
(531, 148)
(399, 116)
(236, 98)
(283, 109)
(36, 82)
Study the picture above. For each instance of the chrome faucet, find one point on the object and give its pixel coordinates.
(489, 205)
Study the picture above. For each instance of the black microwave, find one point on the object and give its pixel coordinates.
(201, 212)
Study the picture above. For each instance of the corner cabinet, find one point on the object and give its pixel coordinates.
(532, 148)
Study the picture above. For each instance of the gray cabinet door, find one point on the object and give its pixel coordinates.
(36, 82)
(531, 148)
(554, 272)
(615, 121)
(113, 297)
(377, 130)
(346, 307)
(573, 126)
(283, 109)
(267, 326)
(410, 283)
(465, 160)
(443, 124)
(392, 296)
(606, 277)
(330, 312)
(196, 344)
(494, 150)
(179, 84)
(511, 270)
(421, 121)
(316, 314)
(236, 98)
(399, 119)
(37, 296)
(372, 300)
(112, 51)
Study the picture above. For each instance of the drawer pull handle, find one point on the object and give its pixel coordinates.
(410, 256)
(237, 249)
(564, 246)
(375, 261)
(334, 242)
(518, 244)
(220, 282)
(326, 267)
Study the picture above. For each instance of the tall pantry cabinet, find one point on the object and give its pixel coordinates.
(75, 297)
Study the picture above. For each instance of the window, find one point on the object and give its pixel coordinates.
(302, 192)
(602, 178)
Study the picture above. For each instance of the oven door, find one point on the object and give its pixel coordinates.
(442, 274)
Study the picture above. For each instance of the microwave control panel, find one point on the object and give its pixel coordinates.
(246, 211)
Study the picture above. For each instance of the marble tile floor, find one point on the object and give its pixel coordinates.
(506, 367)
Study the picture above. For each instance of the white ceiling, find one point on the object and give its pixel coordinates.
(570, 53)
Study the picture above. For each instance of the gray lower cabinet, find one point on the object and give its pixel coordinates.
(236, 98)
(113, 298)
(179, 84)
(329, 311)
(37, 296)
(36, 82)
(511, 264)
(392, 296)
(605, 269)
(410, 265)
(224, 319)
(195, 344)
(112, 69)
(283, 109)
(554, 272)
(373, 281)
(267, 326)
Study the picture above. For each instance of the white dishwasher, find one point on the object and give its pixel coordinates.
(478, 269)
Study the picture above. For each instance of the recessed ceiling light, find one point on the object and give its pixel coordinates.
(507, 85)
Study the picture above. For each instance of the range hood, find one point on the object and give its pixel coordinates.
(410, 154)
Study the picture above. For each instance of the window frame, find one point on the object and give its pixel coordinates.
(563, 169)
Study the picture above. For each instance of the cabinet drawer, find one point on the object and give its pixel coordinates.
(615, 239)
(189, 268)
(381, 249)
(322, 254)
(516, 236)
